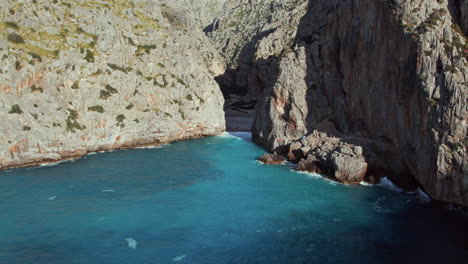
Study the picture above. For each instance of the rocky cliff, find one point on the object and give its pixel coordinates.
(386, 76)
(84, 76)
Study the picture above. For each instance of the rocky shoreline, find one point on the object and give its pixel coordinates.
(77, 154)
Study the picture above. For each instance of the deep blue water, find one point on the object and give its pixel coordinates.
(208, 201)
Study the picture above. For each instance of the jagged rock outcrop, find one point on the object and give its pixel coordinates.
(320, 153)
(387, 75)
(84, 76)
(272, 159)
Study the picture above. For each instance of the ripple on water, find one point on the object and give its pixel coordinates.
(208, 201)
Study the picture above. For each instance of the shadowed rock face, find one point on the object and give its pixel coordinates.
(100, 75)
(389, 76)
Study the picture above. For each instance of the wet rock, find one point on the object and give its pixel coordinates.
(309, 165)
(272, 159)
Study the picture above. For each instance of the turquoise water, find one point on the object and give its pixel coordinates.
(208, 201)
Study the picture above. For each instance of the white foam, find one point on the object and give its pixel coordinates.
(363, 183)
(150, 147)
(51, 164)
(132, 243)
(52, 198)
(178, 258)
(317, 176)
(110, 190)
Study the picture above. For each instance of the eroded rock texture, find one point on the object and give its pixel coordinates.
(389, 76)
(82, 76)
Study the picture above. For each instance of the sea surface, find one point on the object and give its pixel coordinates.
(208, 201)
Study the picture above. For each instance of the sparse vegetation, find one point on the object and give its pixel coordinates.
(108, 92)
(182, 114)
(157, 83)
(144, 48)
(34, 88)
(75, 85)
(18, 65)
(130, 106)
(15, 109)
(119, 68)
(35, 56)
(120, 121)
(10, 24)
(71, 122)
(89, 56)
(15, 38)
(96, 108)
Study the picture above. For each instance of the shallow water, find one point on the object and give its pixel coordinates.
(208, 201)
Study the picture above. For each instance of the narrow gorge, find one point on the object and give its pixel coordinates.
(356, 90)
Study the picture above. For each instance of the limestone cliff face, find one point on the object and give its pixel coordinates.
(238, 30)
(83, 76)
(390, 76)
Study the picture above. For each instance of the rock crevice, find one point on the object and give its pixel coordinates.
(387, 76)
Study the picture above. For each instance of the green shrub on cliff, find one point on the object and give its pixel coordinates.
(96, 108)
(144, 48)
(108, 92)
(71, 122)
(120, 118)
(15, 109)
(89, 56)
(34, 88)
(119, 68)
(15, 38)
(10, 24)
